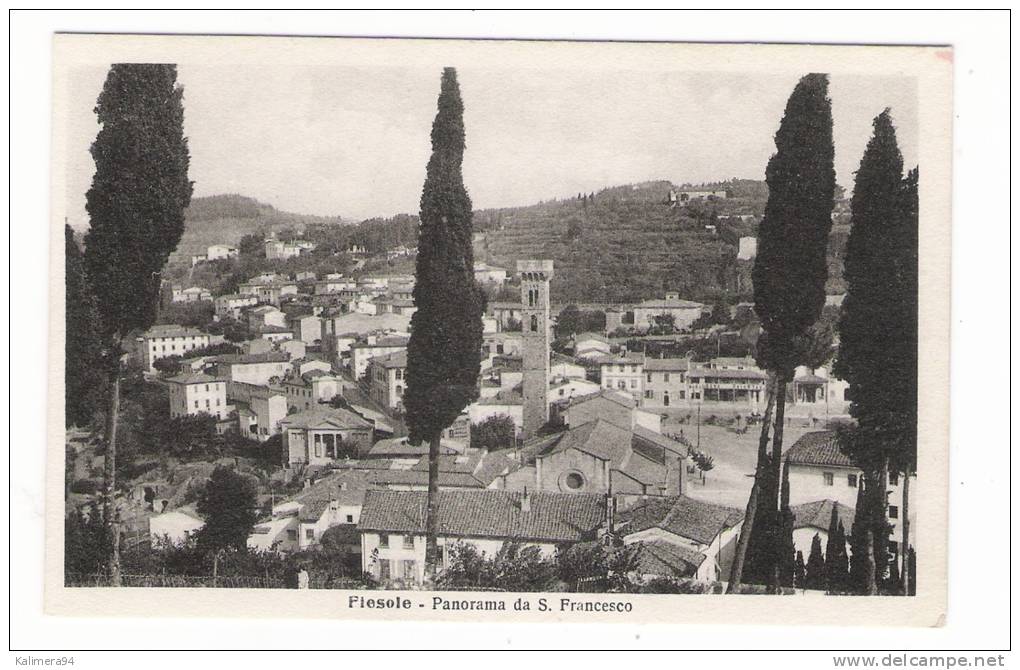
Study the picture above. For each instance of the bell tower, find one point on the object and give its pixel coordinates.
(535, 339)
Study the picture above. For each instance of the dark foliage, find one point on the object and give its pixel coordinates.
(513, 568)
(496, 432)
(790, 268)
(230, 511)
(446, 330)
(815, 573)
(836, 561)
(83, 388)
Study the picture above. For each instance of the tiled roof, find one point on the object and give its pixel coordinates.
(193, 378)
(818, 514)
(397, 359)
(552, 517)
(629, 358)
(172, 330)
(399, 446)
(421, 478)
(267, 357)
(502, 398)
(817, 448)
(622, 399)
(666, 364)
(713, 373)
(680, 515)
(672, 303)
(332, 416)
(394, 341)
(666, 559)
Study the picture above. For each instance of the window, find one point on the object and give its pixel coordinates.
(196, 404)
(400, 390)
(410, 571)
(384, 569)
(408, 542)
(292, 535)
(574, 481)
(894, 479)
(894, 512)
(309, 533)
(534, 323)
(400, 373)
(350, 518)
(620, 385)
(649, 394)
(619, 368)
(827, 477)
(384, 540)
(633, 383)
(665, 376)
(851, 480)
(206, 387)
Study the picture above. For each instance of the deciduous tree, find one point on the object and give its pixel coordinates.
(229, 506)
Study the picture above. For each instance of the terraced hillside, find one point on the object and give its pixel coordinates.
(625, 243)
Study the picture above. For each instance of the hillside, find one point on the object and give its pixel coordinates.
(225, 219)
(629, 242)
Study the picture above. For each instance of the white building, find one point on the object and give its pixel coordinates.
(176, 526)
(392, 526)
(197, 393)
(192, 294)
(489, 274)
(231, 305)
(170, 340)
(219, 251)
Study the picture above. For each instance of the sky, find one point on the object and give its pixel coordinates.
(354, 142)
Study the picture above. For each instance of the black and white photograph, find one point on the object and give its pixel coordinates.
(435, 330)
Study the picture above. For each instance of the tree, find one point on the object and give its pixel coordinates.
(800, 570)
(136, 210)
(496, 432)
(814, 576)
(789, 277)
(443, 354)
(878, 332)
(513, 568)
(228, 504)
(86, 543)
(83, 389)
(836, 563)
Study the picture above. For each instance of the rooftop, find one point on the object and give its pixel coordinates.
(325, 417)
(267, 357)
(817, 448)
(398, 359)
(666, 364)
(669, 303)
(173, 330)
(193, 378)
(547, 517)
(689, 518)
(818, 514)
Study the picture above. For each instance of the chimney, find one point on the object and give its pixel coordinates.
(526, 501)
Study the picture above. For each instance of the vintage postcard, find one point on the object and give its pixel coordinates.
(499, 330)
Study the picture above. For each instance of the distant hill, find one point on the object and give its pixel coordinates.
(225, 219)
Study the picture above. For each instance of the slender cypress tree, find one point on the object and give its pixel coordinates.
(444, 353)
(789, 277)
(878, 332)
(136, 210)
(800, 570)
(82, 346)
(836, 560)
(814, 577)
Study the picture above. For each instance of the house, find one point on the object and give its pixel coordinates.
(266, 315)
(681, 521)
(334, 285)
(277, 335)
(256, 369)
(686, 195)
(665, 381)
(617, 407)
(219, 251)
(604, 458)
(683, 313)
(268, 291)
(231, 305)
(747, 248)
(308, 390)
(623, 372)
(196, 393)
(727, 380)
(192, 294)
(813, 518)
(306, 328)
(591, 346)
(819, 387)
(296, 349)
(371, 347)
(489, 274)
(302, 365)
(278, 249)
(299, 523)
(564, 367)
(567, 388)
(387, 379)
(175, 527)
(818, 470)
(655, 559)
(392, 526)
(477, 469)
(318, 436)
(260, 409)
(339, 332)
(169, 340)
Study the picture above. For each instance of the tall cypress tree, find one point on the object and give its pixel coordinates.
(878, 333)
(789, 285)
(444, 353)
(82, 346)
(814, 577)
(836, 560)
(136, 210)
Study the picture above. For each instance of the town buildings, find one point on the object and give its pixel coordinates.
(217, 252)
(197, 393)
(191, 294)
(169, 340)
(231, 306)
(257, 369)
(681, 314)
(392, 526)
(387, 380)
(322, 435)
